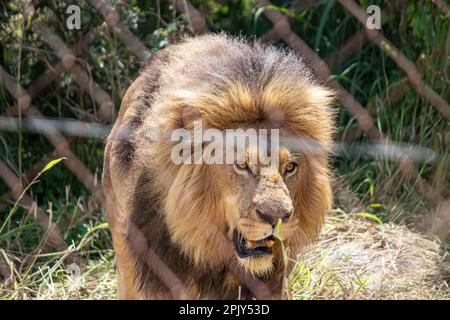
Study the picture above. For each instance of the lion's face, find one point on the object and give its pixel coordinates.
(260, 206)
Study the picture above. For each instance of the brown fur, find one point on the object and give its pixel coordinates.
(172, 224)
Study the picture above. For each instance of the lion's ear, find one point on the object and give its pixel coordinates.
(189, 115)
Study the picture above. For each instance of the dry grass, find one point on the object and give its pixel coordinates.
(95, 280)
(356, 258)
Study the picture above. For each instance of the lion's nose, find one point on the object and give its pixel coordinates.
(273, 213)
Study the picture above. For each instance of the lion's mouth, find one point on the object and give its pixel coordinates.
(246, 248)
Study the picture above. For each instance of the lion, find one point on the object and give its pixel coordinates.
(217, 231)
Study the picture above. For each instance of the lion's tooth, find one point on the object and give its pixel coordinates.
(251, 244)
(270, 242)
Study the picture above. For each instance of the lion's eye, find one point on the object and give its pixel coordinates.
(241, 167)
(290, 168)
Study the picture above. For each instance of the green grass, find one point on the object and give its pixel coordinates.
(372, 186)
